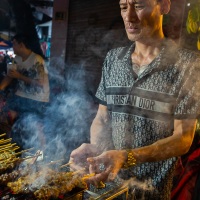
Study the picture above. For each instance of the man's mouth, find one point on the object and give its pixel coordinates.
(132, 29)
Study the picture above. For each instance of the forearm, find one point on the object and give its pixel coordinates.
(100, 132)
(5, 82)
(173, 146)
(101, 135)
(160, 150)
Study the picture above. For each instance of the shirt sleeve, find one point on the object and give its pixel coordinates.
(39, 68)
(101, 91)
(188, 101)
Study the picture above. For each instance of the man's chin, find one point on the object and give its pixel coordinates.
(132, 37)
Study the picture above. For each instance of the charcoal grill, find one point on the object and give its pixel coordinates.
(75, 194)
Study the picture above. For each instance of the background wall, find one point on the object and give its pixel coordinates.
(94, 27)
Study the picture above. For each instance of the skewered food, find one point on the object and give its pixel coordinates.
(13, 175)
(8, 157)
(34, 180)
(47, 183)
(8, 165)
(5, 178)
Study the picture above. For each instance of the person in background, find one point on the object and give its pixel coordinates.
(32, 90)
(148, 105)
(2, 67)
(7, 58)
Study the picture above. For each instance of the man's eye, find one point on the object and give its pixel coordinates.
(139, 7)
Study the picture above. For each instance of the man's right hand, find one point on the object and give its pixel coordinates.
(78, 157)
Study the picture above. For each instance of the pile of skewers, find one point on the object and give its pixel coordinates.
(25, 176)
(44, 183)
(8, 155)
(47, 183)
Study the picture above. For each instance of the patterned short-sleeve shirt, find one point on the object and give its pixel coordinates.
(34, 68)
(143, 108)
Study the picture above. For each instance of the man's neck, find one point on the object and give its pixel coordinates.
(25, 55)
(145, 53)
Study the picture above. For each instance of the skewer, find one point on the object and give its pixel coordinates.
(86, 176)
(9, 150)
(8, 161)
(78, 171)
(65, 165)
(37, 154)
(53, 162)
(7, 156)
(13, 154)
(11, 144)
(14, 149)
(6, 145)
(30, 157)
(5, 141)
(2, 134)
(23, 151)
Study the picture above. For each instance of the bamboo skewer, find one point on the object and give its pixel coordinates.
(78, 171)
(11, 152)
(67, 164)
(2, 134)
(8, 160)
(86, 176)
(23, 151)
(5, 141)
(15, 148)
(53, 162)
(30, 157)
(75, 172)
(10, 155)
(6, 145)
(8, 149)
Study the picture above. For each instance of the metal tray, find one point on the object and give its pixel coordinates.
(112, 194)
(75, 194)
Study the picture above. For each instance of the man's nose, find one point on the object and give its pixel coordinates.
(131, 15)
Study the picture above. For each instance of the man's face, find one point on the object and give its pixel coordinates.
(17, 47)
(142, 18)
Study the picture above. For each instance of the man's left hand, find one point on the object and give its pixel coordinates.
(106, 166)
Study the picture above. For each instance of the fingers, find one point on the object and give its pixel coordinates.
(78, 158)
(95, 180)
(113, 175)
(11, 73)
(85, 150)
(73, 166)
(105, 169)
(101, 171)
(79, 154)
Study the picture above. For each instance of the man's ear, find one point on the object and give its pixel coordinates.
(22, 44)
(165, 6)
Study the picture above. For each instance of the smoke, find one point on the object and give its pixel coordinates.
(142, 188)
(137, 189)
(65, 124)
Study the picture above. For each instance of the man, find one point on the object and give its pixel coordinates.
(32, 90)
(32, 93)
(148, 107)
